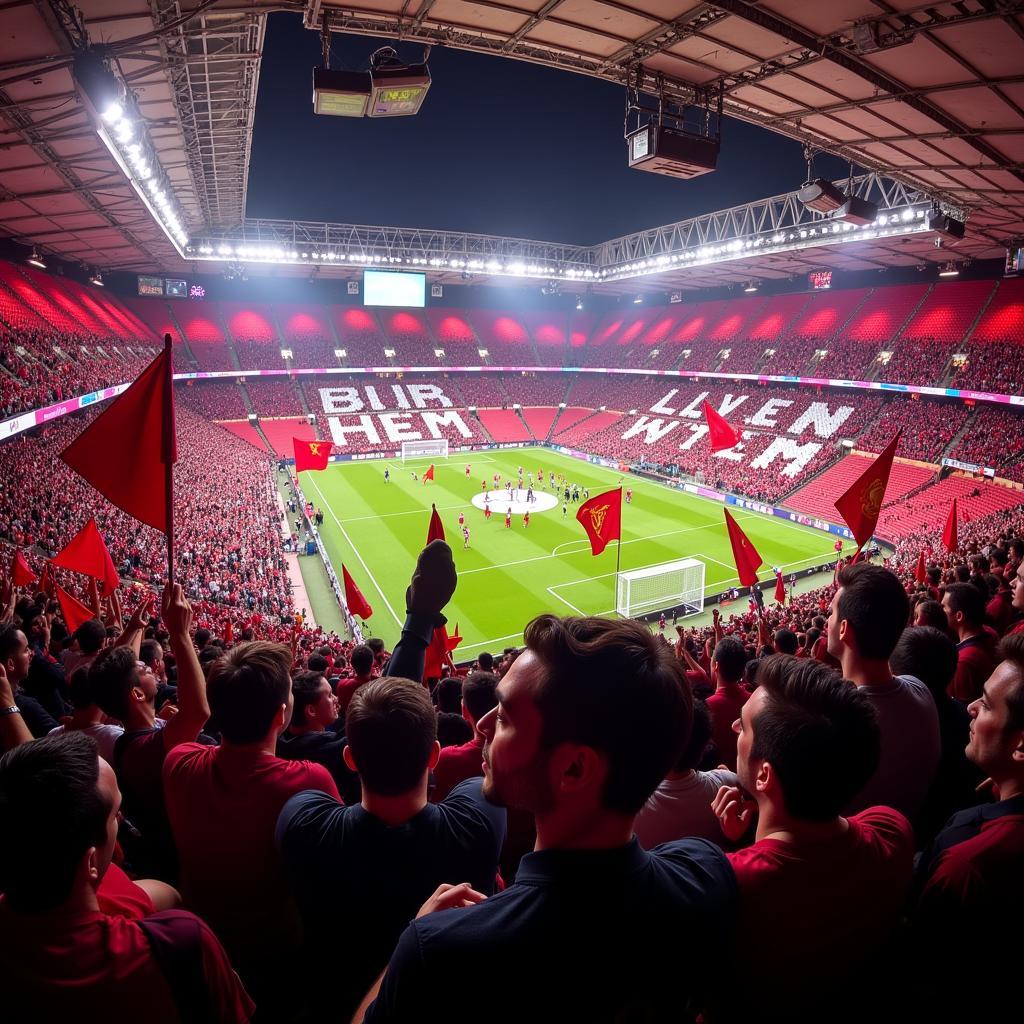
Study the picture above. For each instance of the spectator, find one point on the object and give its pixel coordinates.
(929, 655)
(86, 643)
(680, 807)
(16, 657)
(466, 761)
(223, 803)
(314, 732)
(808, 743)
(452, 730)
(970, 876)
(869, 612)
(561, 743)
(395, 847)
(64, 956)
(448, 696)
(932, 614)
(87, 717)
(362, 662)
(485, 662)
(724, 704)
(964, 606)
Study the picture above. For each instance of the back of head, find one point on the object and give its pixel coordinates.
(51, 812)
(928, 654)
(151, 652)
(90, 636)
(362, 660)
(448, 695)
(700, 734)
(930, 613)
(202, 637)
(818, 732)
(1011, 649)
(485, 661)
(730, 656)
(616, 687)
(785, 641)
(478, 693)
(246, 688)
(391, 727)
(80, 692)
(968, 600)
(873, 601)
(453, 730)
(317, 663)
(112, 675)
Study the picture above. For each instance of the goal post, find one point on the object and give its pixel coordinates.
(425, 449)
(678, 584)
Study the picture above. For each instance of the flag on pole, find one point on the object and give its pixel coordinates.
(86, 553)
(127, 451)
(601, 517)
(21, 572)
(435, 531)
(920, 573)
(429, 475)
(721, 434)
(357, 604)
(73, 611)
(433, 661)
(861, 504)
(780, 588)
(311, 454)
(748, 561)
(950, 529)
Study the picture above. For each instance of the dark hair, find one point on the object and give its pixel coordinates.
(317, 663)
(391, 727)
(999, 555)
(305, 691)
(151, 652)
(453, 730)
(962, 573)
(934, 574)
(614, 686)
(361, 659)
(478, 693)
(731, 656)
(933, 614)
(112, 675)
(202, 637)
(873, 601)
(700, 733)
(9, 642)
(750, 671)
(376, 644)
(785, 641)
(968, 600)
(448, 696)
(90, 636)
(927, 653)
(247, 686)
(818, 732)
(80, 692)
(51, 812)
(485, 661)
(978, 563)
(1011, 648)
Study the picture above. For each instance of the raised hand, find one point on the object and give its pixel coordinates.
(734, 810)
(446, 897)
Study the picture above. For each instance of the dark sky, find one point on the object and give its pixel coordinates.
(500, 146)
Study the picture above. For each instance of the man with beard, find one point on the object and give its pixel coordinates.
(590, 718)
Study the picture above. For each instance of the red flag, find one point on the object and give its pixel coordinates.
(311, 454)
(861, 505)
(435, 531)
(46, 583)
(357, 604)
(86, 553)
(229, 632)
(429, 475)
(748, 561)
(920, 573)
(721, 434)
(127, 451)
(949, 530)
(601, 517)
(780, 588)
(74, 612)
(454, 640)
(433, 660)
(21, 572)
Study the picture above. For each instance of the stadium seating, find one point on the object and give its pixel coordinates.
(280, 433)
(550, 334)
(505, 425)
(928, 427)
(994, 437)
(504, 337)
(273, 397)
(214, 399)
(540, 420)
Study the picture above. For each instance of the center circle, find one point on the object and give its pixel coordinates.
(500, 502)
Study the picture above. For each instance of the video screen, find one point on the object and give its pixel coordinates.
(177, 288)
(151, 286)
(393, 288)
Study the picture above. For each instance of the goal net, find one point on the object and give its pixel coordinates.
(425, 449)
(668, 585)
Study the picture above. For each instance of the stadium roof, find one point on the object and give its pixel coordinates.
(929, 95)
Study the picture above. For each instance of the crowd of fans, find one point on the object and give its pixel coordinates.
(928, 427)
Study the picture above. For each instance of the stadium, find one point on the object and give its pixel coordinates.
(244, 386)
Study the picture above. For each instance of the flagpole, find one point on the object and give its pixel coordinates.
(167, 452)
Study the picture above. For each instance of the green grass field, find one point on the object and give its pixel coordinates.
(507, 576)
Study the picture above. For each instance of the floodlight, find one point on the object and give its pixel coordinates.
(820, 195)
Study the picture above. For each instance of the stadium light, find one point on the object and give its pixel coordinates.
(579, 303)
(35, 259)
(340, 353)
(638, 300)
(949, 270)
(96, 279)
(821, 196)
(750, 287)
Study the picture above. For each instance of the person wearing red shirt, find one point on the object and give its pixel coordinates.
(828, 890)
(964, 606)
(456, 764)
(724, 704)
(223, 804)
(66, 955)
(362, 662)
(970, 878)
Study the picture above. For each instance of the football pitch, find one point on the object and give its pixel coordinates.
(507, 576)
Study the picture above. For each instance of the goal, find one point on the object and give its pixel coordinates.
(678, 585)
(425, 449)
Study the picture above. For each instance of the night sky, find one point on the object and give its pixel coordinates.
(500, 146)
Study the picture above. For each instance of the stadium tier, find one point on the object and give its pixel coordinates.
(272, 397)
(505, 425)
(214, 399)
